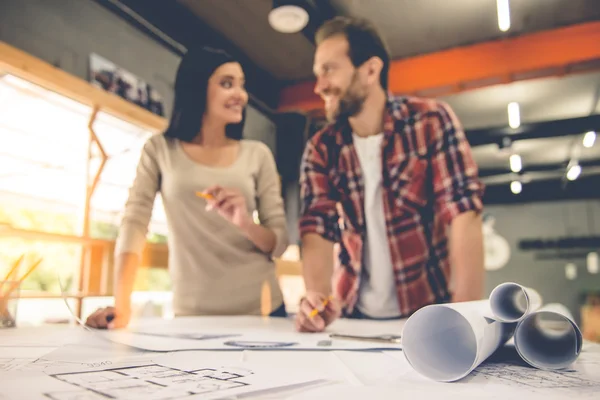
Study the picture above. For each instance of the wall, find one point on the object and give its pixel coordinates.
(259, 127)
(546, 221)
(65, 32)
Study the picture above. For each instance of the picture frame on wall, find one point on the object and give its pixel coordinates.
(108, 76)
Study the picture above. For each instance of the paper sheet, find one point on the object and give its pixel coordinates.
(446, 342)
(68, 357)
(19, 358)
(264, 339)
(39, 336)
(549, 338)
(91, 349)
(510, 302)
(504, 375)
(256, 338)
(167, 378)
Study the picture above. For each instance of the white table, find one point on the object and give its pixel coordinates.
(352, 374)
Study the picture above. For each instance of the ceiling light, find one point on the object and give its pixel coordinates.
(592, 262)
(516, 187)
(503, 15)
(286, 17)
(573, 172)
(515, 163)
(514, 115)
(571, 271)
(589, 139)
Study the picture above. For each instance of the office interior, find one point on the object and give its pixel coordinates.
(526, 88)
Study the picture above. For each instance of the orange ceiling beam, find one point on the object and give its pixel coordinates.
(548, 53)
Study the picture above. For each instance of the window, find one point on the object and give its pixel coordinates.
(44, 142)
(122, 142)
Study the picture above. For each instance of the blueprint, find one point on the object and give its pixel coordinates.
(565, 382)
(149, 381)
(257, 339)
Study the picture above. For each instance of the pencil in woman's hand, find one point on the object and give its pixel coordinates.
(206, 196)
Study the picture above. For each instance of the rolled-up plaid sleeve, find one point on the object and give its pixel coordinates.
(318, 212)
(456, 184)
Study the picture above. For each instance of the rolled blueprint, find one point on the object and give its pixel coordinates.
(511, 302)
(548, 338)
(445, 342)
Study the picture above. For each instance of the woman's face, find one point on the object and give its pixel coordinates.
(226, 97)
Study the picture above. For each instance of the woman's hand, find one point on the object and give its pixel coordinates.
(230, 204)
(109, 318)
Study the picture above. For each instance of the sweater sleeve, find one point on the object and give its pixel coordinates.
(139, 205)
(270, 202)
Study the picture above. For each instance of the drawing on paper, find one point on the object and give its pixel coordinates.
(252, 344)
(192, 336)
(536, 378)
(9, 364)
(30, 364)
(150, 381)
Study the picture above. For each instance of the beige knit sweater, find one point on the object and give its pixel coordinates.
(215, 269)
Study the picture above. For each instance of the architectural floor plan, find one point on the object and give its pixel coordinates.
(151, 382)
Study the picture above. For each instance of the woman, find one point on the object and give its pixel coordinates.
(211, 181)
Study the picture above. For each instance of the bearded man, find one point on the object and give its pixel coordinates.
(392, 184)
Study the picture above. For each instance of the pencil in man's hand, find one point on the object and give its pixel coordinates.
(315, 311)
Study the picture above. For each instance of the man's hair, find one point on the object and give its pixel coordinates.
(364, 41)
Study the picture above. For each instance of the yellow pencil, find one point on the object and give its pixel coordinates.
(315, 311)
(17, 283)
(206, 196)
(14, 267)
(4, 297)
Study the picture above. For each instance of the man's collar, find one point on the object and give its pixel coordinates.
(395, 110)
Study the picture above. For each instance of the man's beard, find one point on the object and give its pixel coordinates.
(350, 103)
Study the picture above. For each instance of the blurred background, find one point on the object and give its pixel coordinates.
(83, 84)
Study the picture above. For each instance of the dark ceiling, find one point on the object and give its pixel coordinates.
(411, 28)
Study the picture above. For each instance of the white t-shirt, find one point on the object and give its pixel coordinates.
(377, 296)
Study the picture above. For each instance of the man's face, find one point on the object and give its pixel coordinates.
(339, 83)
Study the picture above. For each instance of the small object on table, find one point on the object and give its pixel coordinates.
(206, 196)
(315, 311)
(10, 292)
(6, 320)
(378, 338)
(14, 268)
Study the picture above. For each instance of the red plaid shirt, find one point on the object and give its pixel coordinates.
(429, 177)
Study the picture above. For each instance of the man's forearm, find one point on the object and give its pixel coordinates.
(126, 266)
(466, 256)
(317, 263)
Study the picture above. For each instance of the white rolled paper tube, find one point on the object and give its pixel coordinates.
(549, 338)
(510, 302)
(445, 342)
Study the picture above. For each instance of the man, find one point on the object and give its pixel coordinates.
(384, 181)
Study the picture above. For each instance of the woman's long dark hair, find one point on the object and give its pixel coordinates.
(191, 89)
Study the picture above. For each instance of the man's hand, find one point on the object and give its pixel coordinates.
(109, 318)
(313, 300)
